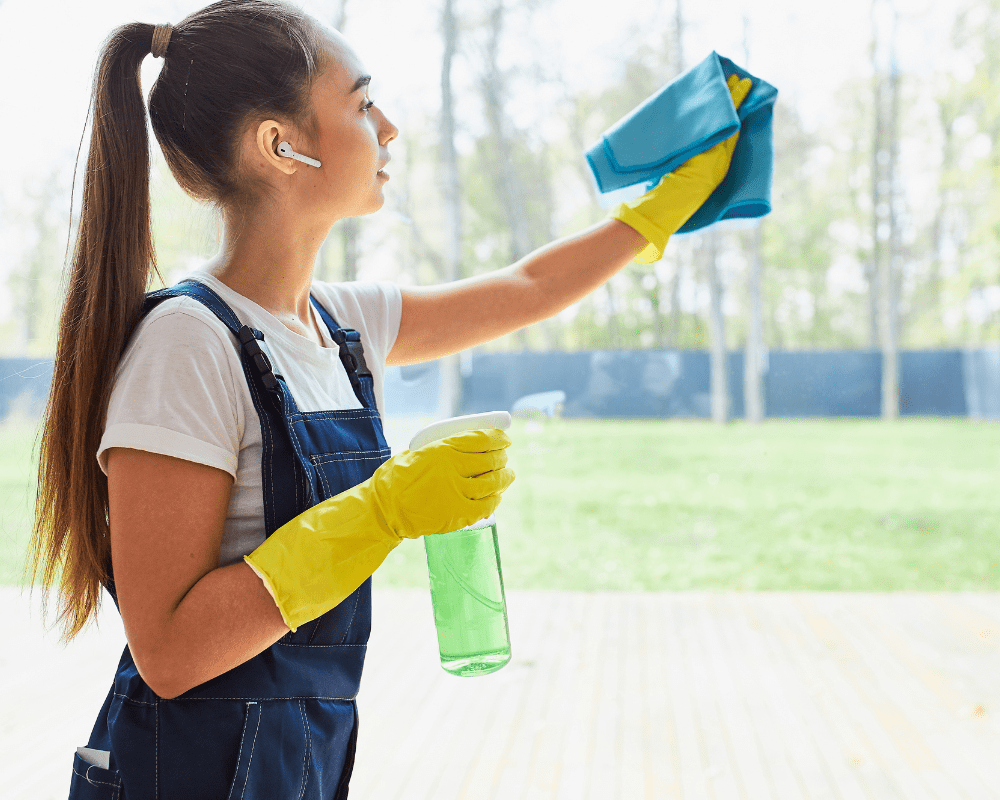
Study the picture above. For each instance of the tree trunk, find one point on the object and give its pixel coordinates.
(679, 34)
(349, 233)
(675, 282)
(494, 95)
(886, 243)
(717, 331)
(892, 267)
(874, 263)
(753, 359)
(947, 116)
(674, 329)
(323, 270)
(506, 179)
(340, 19)
(655, 299)
(350, 226)
(450, 392)
(614, 334)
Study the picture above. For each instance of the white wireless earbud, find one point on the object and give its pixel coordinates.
(286, 150)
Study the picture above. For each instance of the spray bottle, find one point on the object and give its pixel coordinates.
(470, 609)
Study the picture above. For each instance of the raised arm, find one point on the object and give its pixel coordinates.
(444, 319)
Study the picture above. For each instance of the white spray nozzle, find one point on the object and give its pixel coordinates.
(449, 427)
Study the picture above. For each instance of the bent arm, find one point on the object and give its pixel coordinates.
(440, 320)
(187, 620)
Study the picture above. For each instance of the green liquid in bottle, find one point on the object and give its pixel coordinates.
(470, 610)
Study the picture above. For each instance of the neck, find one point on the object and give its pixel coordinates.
(270, 260)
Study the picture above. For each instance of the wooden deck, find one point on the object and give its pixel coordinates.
(830, 696)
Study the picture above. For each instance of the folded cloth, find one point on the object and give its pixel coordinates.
(688, 116)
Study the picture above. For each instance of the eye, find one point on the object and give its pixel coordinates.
(367, 106)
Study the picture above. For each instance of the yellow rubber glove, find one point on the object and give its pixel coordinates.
(313, 562)
(660, 213)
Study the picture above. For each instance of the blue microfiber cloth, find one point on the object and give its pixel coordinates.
(688, 116)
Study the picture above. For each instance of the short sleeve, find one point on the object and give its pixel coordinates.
(373, 308)
(175, 391)
(384, 301)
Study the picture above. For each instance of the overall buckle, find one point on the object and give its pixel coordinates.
(258, 358)
(352, 354)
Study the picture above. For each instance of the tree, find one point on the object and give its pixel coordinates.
(451, 378)
(753, 358)
(507, 178)
(886, 253)
(35, 280)
(344, 235)
(717, 330)
(970, 179)
(499, 147)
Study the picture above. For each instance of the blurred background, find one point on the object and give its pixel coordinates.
(883, 239)
(871, 292)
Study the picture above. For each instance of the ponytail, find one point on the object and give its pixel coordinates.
(112, 262)
(241, 58)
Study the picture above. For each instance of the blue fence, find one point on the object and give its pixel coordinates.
(676, 383)
(24, 385)
(658, 383)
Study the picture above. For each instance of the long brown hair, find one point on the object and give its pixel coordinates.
(225, 66)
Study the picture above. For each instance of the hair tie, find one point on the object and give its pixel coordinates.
(161, 38)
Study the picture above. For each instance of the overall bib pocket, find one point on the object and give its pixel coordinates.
(343, 469)
(90, 782)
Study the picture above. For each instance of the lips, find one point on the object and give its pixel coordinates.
(382, 173)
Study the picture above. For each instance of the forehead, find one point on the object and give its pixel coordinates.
(342, 66)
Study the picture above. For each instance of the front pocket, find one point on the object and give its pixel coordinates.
(204, 747)
(248, 740)
(90, 782)
(338, 472)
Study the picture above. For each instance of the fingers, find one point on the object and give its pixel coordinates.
(481, 509)
(478, 441)
(488, 484)
(468, 465)
(739, 88)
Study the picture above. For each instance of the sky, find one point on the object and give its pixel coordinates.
(48, 49)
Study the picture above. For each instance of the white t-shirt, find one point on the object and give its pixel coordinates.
(180, 389)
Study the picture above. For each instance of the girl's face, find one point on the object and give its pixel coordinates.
(353, 137)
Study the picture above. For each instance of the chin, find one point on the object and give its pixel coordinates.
(376, 204)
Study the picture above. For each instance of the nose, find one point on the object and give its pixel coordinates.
(386, 130)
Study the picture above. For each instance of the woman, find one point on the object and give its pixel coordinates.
(213, 453)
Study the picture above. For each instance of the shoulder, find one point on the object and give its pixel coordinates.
(180, 335)
(358, 301)
(179, 389)
(185, 319)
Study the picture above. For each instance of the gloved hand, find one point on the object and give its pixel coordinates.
(313, 562)
(660, 213)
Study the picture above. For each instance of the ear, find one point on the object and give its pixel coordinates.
(269, 135)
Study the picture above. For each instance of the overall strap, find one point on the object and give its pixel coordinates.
(271, 398)
(352, 356)
(249, 338)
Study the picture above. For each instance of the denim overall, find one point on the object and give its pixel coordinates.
(283, 725)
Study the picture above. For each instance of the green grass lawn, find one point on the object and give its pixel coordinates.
(17, 496)
(668, 505)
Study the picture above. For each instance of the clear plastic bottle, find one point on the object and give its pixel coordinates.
(470, 609)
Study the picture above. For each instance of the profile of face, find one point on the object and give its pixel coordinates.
(352, 144)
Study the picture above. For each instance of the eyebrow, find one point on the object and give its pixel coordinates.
(364, 80)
